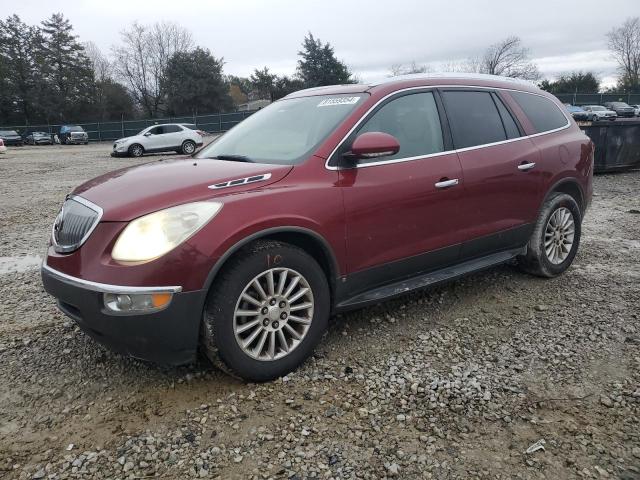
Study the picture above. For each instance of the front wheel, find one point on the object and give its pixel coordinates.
(266, 311)
(555, 239)
(136, 150)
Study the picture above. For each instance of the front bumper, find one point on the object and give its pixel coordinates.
(169, 336)
(78, 140)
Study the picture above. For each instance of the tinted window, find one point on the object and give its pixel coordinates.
(156, 131)
(474, 118)
(413, 120)
(542, 112)
(508, 122)
(172, 129)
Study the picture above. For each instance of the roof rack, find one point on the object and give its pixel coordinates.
(460, 75)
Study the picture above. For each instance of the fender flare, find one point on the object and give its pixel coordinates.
(333, 263)
(564, 181)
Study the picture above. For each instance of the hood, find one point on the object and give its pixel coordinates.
(132, 192)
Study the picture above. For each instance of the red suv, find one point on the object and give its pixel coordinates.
(327, 200)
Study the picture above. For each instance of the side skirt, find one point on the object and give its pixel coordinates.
(396, 289)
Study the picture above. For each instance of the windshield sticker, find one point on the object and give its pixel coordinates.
(327, 102)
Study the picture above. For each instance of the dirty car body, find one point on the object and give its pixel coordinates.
(378, 223)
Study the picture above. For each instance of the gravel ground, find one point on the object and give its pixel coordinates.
(455, 382)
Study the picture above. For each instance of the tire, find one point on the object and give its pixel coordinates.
(594, 118)
(220, 338)
(538, 261)
(188, 147)
(136, 150)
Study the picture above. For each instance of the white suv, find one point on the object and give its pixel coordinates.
(178, 137)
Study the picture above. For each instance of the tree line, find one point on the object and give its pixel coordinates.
(48, 76)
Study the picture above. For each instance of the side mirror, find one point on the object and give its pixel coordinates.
(148, 134)
(374, 145)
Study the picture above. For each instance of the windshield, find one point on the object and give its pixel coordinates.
(75, 129)
(285, 132)
(598, 109)
(619, 104)
(8, 132)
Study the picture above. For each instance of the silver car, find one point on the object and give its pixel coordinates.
(598, 112)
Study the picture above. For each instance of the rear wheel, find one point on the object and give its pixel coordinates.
(266, 311)
(555, 239)
(188, 147)
(136, 150)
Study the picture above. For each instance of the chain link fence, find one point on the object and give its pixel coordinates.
(598, 98)
(108, 131)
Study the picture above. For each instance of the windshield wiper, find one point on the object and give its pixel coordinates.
(233, 158)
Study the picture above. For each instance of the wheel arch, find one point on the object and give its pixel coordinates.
(571, 187)
(308, 240)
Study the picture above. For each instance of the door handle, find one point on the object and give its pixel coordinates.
(523, 167)
(447, 183)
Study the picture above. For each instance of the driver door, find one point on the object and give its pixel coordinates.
(402, 211)
(155, 139)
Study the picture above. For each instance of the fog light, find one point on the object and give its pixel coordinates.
(137, 302)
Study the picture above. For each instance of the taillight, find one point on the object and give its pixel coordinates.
(201, 133)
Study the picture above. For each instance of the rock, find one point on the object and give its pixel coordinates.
(606, 401)
(393, 469)
(39, 474)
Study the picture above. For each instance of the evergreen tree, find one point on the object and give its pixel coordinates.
(319, 65)
(67, 70)
(193, 83)
(574, 82)
(19, 74)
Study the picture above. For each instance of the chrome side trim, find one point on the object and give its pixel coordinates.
(86, 203)
(241, 181)
(447, 152)
(103, 287)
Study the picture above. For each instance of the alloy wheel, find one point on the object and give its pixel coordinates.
(559, 235)
(273, 314)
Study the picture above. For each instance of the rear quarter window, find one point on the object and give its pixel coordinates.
(542, 112)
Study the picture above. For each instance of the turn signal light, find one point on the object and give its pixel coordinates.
(136, 302)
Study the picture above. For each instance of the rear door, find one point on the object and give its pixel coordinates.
(173, 136)
(501, 181)
(398, 221)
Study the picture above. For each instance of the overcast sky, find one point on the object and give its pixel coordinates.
(562, 35)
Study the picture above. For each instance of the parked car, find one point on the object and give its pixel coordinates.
(597, 112)
(330, 199)
(3, 149)
(621, 109)
(577, 113)
(38, 138)
(636, 110)
(73, 134)
(11, 137)
(169, 137)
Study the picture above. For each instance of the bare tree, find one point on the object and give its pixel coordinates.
(102, 68)
(624, 43)
(141, 60)
(401, 69)
(507, 58)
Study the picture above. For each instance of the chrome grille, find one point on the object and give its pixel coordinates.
(75, 222)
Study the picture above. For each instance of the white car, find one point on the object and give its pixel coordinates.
(3, 149)
(598, 112)
(636, 110)
(178, 137)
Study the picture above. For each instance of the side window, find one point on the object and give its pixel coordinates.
(172, 129)
(474, 118)
(156, 131)
(542, 112)
(413, 119)
(507, 120)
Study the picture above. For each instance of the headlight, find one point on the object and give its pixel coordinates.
(155, 234)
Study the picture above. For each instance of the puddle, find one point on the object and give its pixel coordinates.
(19, 264)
